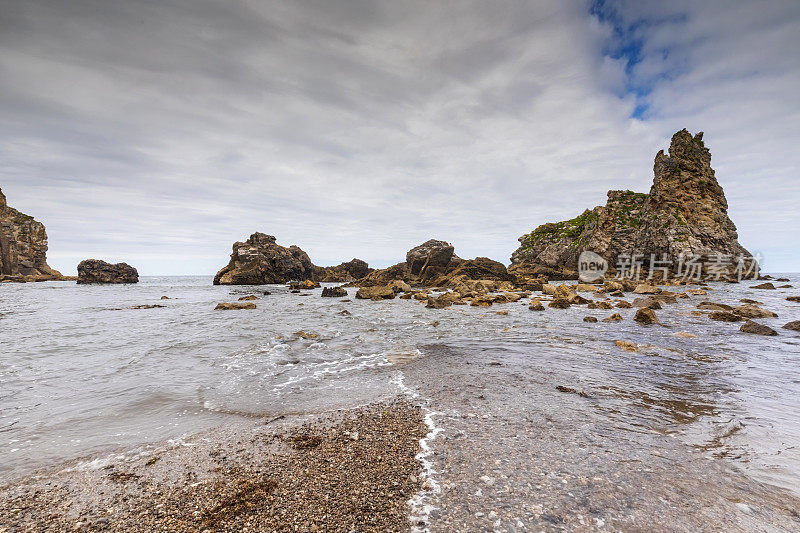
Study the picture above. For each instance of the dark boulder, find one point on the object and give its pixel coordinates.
(97, 271)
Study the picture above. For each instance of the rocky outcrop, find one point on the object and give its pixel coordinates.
(96, 271)
(345, 272)
(429, 258)
(434, 264)
(23, 247)
(260, 261)
(685, 214)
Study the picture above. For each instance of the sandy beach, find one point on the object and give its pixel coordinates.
(348, 471)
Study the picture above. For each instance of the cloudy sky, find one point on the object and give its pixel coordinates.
(161, 131)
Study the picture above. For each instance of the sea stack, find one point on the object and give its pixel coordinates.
(97, 271)
(684, 214)
(23, 247)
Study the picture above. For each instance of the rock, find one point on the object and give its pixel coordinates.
(429, 256)
(628, 346)
(343, 273)
(650, 303)
(686, 335)
(585, 287)
(768, 286)
(333, 292)
(749, 301)
(443, 300)
(559, 303)
(753, 311)
(793, 298)
(234, 306)
(794, 325)
(480, 268)
(757, 329)
(260, 261)
(645, 316)
(600, 305)
(696, 292)
(23, 247)
(421, 296)
(373, 293)
(785, 287)
(685, 213)
(616, 317)
(305, 335)
(724, 316)
(305, 285)
(400, 286)
(248, 298)
(508, 297)
(589, 319)
(482, 301)
(622, 304)
(165, 297)
(96, 271)
(712, 306)
(535, 305)
(645, 288)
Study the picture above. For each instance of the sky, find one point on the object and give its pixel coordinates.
(160, 132)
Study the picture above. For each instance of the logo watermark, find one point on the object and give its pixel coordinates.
(591, 267)
(686, 267)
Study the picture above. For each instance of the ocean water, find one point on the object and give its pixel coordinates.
(83, 372)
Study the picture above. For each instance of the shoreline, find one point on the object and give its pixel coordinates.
(354, 469)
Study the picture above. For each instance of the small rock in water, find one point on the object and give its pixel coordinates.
(794, 325)
(686, 335)
(769, 286)
(724, 316)
(645, 316)
(757, 329)
(589, 319)
(234, 306)
(616, 317)
(628, 346)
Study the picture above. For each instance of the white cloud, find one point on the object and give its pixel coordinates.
(160, 133)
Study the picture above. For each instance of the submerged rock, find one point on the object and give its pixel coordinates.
(628, 346)
(768, 286)
(97, 271)
(234, 306)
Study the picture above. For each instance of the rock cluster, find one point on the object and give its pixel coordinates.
(23, 247)
(685, 213)
(260, 261)
(97, 271)
(434, 264)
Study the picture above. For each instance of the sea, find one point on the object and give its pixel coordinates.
(85, 369)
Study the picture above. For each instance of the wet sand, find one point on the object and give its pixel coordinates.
(351, 471)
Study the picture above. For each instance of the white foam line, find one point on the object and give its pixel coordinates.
(420, 503)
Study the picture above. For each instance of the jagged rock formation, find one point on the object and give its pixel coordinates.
(685, 213)
(97, 271)
(260, 261)
(23, 247)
